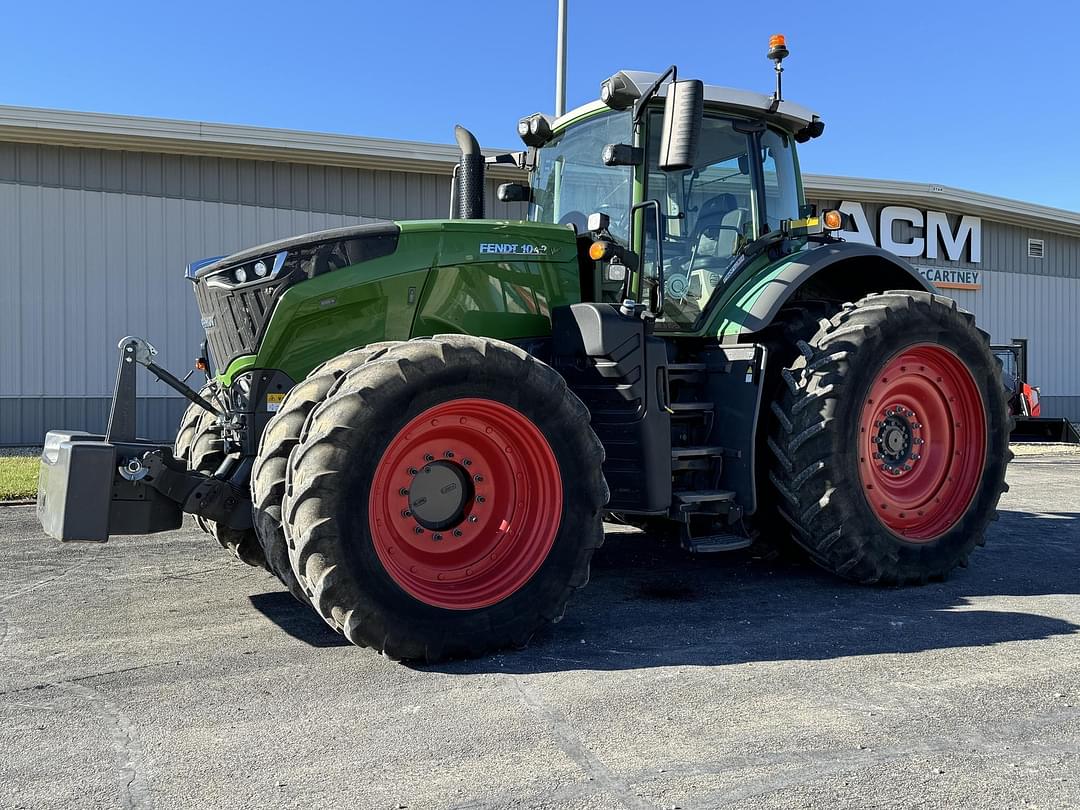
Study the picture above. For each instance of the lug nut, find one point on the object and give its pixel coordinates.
(436, 537)
(457, 532)
(473, 518)
(405, 513)
(449, 454)
(418, 530)
(467, 462)
(403, 492)
(428, 457)
(478, 479)
(480, 499)
(412, 470)
(916, 457)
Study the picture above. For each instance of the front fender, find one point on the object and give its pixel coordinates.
(843, 271)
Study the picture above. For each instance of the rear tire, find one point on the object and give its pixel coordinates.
(496, 457)
(281, 435)
(199, 444)
(892, 439)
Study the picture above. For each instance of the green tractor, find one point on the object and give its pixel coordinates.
(420, 427)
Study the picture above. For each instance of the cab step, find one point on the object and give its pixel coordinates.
(702, 497)
(690, 408)
(695, 458)
(687, 372)
(712, 543)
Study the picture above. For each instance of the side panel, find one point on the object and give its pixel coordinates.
(618, 372)
(335, 312)
(499, 279)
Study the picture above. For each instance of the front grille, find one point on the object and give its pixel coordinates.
(234, 319)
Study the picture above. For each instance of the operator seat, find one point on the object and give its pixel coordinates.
(719, 225)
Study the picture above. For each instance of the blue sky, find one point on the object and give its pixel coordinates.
(957, 93)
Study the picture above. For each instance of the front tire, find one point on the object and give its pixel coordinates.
(892, 439)
(445, 499)
(281, 435)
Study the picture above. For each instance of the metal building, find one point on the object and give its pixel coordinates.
(99, 214)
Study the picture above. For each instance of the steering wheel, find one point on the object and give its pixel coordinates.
(706, 267)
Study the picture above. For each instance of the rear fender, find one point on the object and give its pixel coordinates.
(838, 271)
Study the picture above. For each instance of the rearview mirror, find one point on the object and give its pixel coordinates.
(514, 192)
(682, 125)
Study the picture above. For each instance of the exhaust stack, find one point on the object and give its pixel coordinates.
(467, 189)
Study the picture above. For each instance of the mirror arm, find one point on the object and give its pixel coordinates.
(646, 97)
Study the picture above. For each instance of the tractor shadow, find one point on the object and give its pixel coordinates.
(299, 621)
(650, 605)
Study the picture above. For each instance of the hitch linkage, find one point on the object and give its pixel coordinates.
(136, 350)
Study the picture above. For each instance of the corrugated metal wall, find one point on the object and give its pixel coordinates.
(1021, 297)
(94, 243)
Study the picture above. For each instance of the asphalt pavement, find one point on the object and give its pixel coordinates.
(159, 672)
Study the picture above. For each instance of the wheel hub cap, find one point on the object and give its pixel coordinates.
(898, 440)
(439, 494)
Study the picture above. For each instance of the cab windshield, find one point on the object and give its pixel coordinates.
(710, 212)
(571, 181)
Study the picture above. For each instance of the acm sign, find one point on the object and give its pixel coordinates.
(914, 234)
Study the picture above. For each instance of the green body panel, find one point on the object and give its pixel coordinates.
(483, 277)
(506, 295)
(733, 304)
(237, 366)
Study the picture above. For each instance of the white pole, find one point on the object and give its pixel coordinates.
(560, 62)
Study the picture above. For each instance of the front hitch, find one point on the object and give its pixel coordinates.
(92, 486)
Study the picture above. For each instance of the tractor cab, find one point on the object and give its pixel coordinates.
(686, 177)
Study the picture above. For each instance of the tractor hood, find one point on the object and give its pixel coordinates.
(315, 288)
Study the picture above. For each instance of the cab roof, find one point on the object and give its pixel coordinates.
(789, 115)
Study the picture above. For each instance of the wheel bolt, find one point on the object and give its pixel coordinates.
(403, 492)
(405, 513)
(918, 425)
(877, 455)
(478, 479)
(466, 462)
(428, 457)
(473, 518)
(916, 457)
(449, 454)
(457, 532)
(907, 466)
(412, 470)
(436, 537)
(418, 530)
(480, 499)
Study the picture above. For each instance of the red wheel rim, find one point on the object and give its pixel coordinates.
(922, 442)
(496, 528)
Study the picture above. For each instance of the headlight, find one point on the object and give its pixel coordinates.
(249, 272)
